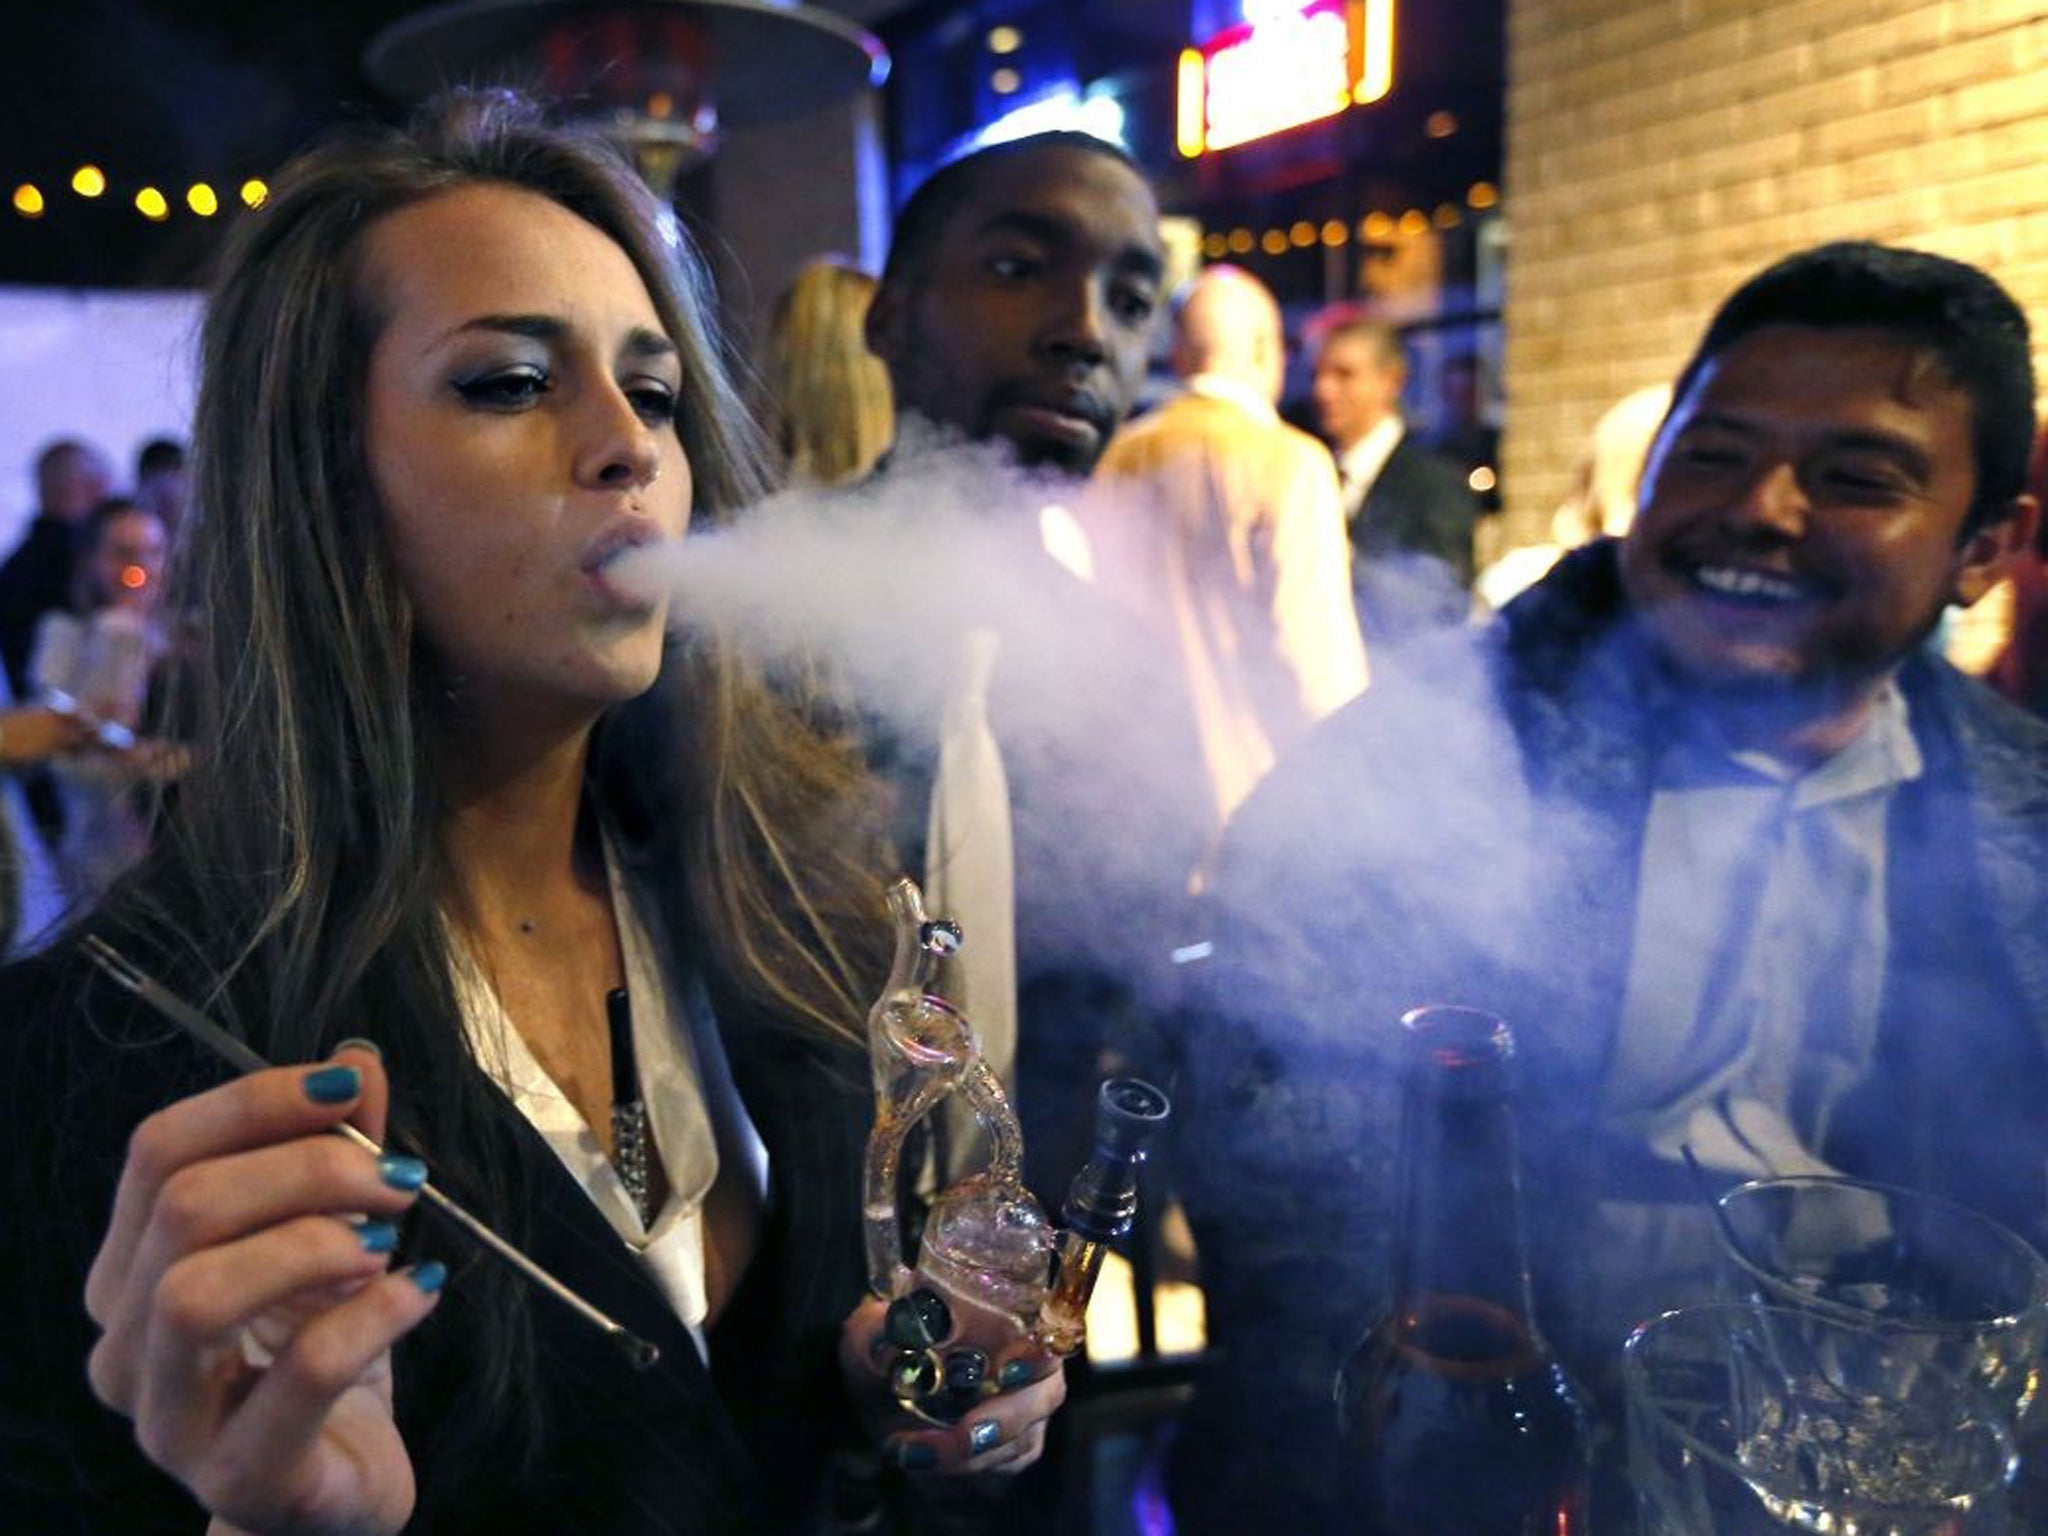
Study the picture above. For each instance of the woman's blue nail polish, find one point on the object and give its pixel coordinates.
(401, 1172)
(377, 1236)
(985, 1436)
(914, 1455)
(430, 1276)
(333, 1085)
(1013, 1374)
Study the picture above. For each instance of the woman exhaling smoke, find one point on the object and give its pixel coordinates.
(470, 838)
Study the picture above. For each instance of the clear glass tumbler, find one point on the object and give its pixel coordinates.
(1762, 1421)
(1961, 1292)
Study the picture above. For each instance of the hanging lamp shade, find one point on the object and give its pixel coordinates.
(663, 75)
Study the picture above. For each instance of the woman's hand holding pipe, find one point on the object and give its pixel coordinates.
(242, 1233)
(1004, 1433)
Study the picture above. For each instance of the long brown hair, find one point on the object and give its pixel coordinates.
(297, 882)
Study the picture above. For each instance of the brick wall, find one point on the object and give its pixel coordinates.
(1659, 151)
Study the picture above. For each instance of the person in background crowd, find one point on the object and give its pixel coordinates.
(483, 861)
(30, 898)
(100, 654)
(1750, 872)
(162, 483)
(72, 478)
(1226, 520)
(1410, 513)
(1018, 298)
(1602, 500)
(829, 405)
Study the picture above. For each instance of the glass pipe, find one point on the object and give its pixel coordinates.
(990, 1267)
(922, 1051)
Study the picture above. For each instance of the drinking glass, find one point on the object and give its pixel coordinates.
(1764, 1421)
(1959, 1291)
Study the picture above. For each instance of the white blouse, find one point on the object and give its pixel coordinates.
(692, 1105)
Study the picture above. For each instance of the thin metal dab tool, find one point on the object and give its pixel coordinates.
(125, 973)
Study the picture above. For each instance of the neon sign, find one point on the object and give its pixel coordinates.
(1284, 66)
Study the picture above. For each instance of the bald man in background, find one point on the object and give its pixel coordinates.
(1236, 543)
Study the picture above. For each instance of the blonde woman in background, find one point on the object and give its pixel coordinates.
(1603, 495)
(830, 402)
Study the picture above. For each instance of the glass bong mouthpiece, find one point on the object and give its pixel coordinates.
(990, 1267)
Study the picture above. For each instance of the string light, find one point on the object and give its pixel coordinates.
(90, 181)
(1302, 233)
(1004, 40)
(1335, 232)
(1274, 242)
(1005, 81)
(1483, 194)
(1240, 242)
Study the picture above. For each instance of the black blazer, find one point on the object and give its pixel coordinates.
(1411, 542)
(679, 1448)
(35, 579)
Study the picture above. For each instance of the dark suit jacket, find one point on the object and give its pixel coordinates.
(680, 1448)
(1411, 540)
(35, 579)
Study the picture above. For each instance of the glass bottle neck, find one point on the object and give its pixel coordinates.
(1459, 1222)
